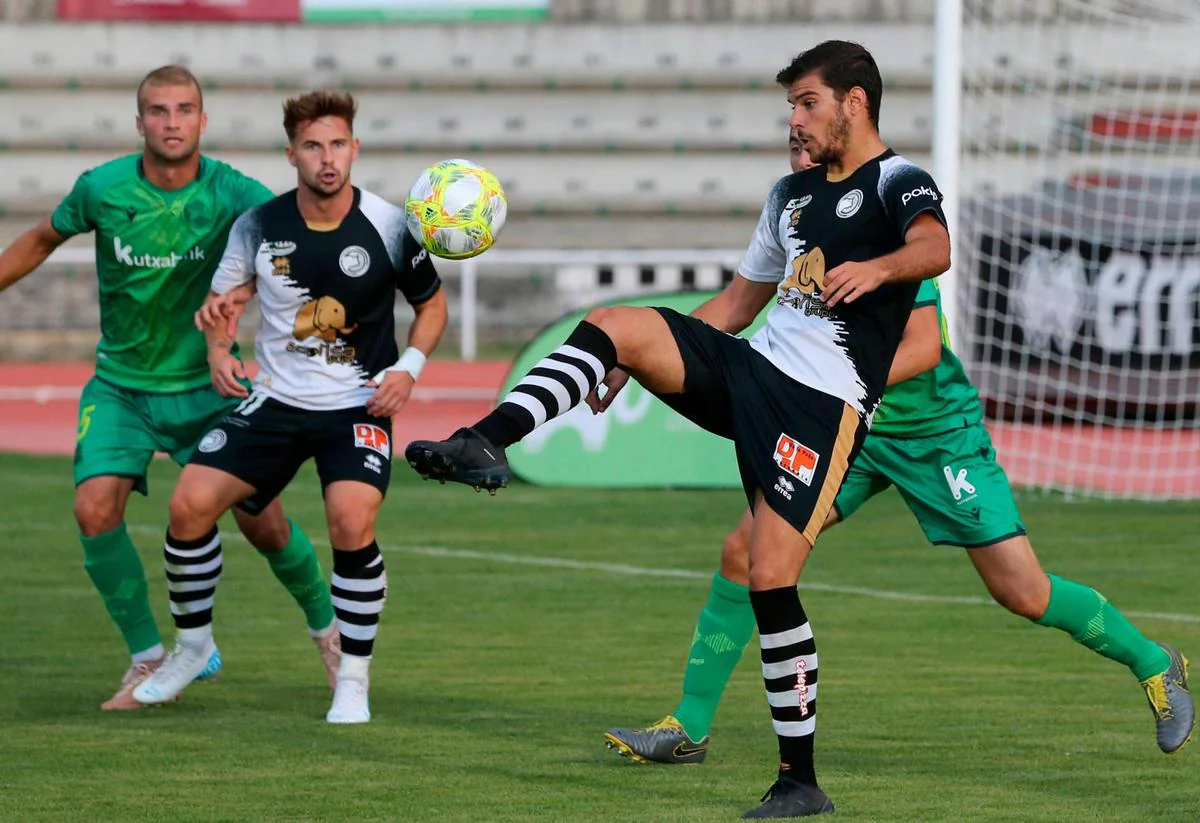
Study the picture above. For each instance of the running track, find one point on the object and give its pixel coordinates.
(38, 408)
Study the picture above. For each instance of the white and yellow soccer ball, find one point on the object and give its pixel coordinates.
(456, 209)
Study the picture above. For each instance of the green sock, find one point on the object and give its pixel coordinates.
(112, 563)
(724, 629)
(299, 570)
(1093, 622)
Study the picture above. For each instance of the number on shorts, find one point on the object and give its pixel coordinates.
(85, 421)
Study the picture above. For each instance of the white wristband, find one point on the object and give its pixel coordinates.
(412, 361)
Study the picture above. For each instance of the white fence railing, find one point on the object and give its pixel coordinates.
(470, 271)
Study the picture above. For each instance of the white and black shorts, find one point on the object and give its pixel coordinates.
(264, 442)
(793, 442)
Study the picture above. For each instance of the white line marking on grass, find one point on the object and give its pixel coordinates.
(613, 568)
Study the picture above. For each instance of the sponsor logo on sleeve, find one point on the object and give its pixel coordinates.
(920, 191)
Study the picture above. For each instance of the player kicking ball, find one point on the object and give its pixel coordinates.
(161, 218)
(928, 440)
(326, 261)
(839, 252)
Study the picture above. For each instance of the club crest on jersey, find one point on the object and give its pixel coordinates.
(850, 203)
(281, 266)
(796, 459)
(367, 436)
(354, 261)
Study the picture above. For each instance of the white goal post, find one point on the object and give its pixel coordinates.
(1070, 157)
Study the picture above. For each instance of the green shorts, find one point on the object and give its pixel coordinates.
(121, 429)
(951, 482)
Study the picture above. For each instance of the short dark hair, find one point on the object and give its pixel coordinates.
(172, 75)
(314, 106)
(842, 65)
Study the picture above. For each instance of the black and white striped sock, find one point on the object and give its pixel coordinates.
(559, 382)
(193, 571)
(359, 589)
(789, 663)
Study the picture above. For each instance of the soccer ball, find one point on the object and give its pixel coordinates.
(456, 209)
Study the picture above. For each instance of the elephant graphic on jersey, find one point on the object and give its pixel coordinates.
(324, 317)
(808, 273)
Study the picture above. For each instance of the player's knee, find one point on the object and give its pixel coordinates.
(616, 322)
(768, 575)
(735, 557)
(192, 512)
(349, 530)
(97, 513)
(269, 532)
(601, 317)
(1023, 601)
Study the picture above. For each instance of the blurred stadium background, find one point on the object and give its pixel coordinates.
(637, 138)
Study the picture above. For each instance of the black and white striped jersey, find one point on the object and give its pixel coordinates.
(809, 226)
(327, 297)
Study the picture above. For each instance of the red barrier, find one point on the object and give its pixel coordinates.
(39, 402)
(262, 11)
(38, 408)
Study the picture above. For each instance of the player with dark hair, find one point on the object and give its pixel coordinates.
(929, 441)
(326, 260)
(161, 218)
(840, 249)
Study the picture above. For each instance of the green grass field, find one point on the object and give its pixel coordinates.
(519, 628)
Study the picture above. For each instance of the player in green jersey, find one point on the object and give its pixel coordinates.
(161, 219)
(928, 440)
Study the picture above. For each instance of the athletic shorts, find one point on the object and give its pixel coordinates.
(792, 442)
(121, 429)
(264, 442)
(951, 482)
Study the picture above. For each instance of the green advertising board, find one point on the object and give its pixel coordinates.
(637, 443)
(356, 11)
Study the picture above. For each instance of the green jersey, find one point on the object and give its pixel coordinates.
(935, 401)
(155, 256)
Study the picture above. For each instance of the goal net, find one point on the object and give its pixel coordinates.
(1078, 248)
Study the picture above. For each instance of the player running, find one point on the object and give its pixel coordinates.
(160, 218)
(840, 251)
(928, 440)
(326, 260)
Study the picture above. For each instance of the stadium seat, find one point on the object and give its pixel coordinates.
(537, 56)
(393, 120)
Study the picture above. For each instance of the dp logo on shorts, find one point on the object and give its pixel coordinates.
(796, 459)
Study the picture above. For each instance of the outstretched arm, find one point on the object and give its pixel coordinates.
(28, 252)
